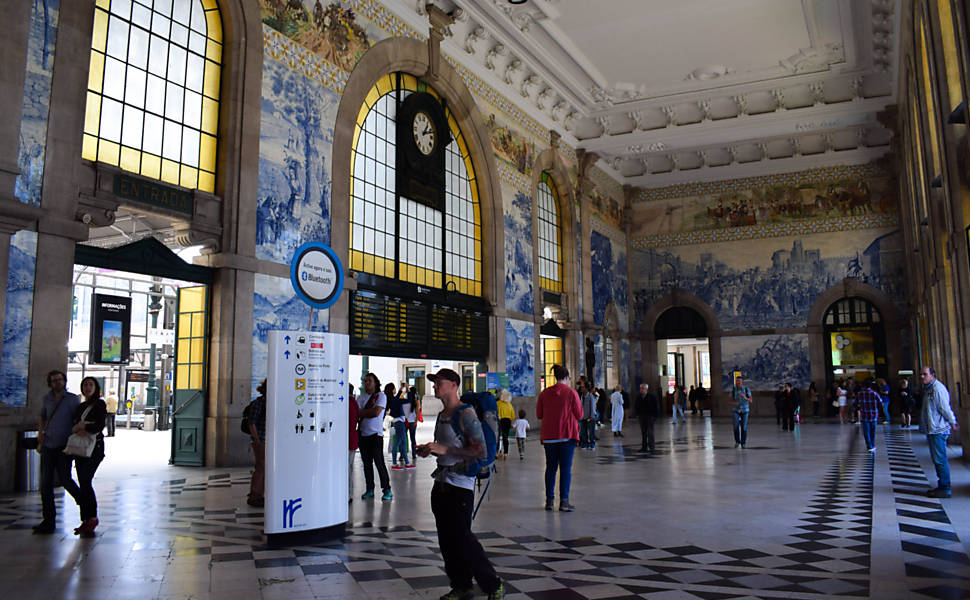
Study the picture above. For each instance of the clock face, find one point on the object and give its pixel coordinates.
(424, 134)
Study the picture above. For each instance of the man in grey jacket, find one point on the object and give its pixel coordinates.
(936, 422)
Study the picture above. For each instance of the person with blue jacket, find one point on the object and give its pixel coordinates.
(741, 400)
(936, 422)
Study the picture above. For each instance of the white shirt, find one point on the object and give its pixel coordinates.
(521, 425)
(372, 425)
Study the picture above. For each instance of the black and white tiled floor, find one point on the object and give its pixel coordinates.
(790, 517)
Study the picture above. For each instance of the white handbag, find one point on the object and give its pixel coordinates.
(81, 445)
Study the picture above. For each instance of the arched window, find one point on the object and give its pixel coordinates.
(153, 89)
(394, 236)
(550, 236)
(852, 311)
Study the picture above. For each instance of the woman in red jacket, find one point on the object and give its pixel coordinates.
(560, 411)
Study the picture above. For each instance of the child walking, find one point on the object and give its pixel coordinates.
(521, 426)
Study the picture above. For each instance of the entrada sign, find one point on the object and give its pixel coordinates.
(152, 193)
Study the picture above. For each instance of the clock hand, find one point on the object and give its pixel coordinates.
(427, 131)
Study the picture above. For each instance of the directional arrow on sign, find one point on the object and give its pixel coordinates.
(341, 398)
(341, 383)
(287, 354)
(341, 369)
(287, 339)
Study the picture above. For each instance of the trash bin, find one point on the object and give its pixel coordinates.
(28, 462)
(149, 419)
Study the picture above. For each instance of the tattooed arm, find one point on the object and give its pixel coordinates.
(471, 429)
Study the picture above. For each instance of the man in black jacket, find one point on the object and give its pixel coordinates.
(648, 409)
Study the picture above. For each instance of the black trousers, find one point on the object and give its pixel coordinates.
(86, 467)
(787, 418)
(53, 460)
(372, 452)
(109, 423)
(504, 425)
(463, 554)
(646, 432)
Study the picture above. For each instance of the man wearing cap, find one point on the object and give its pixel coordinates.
(453, 493)
(936, 422)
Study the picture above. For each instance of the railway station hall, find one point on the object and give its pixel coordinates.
(701, 268)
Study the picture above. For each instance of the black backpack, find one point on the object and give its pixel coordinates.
(244, 424)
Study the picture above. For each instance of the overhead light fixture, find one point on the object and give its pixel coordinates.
(517, 1)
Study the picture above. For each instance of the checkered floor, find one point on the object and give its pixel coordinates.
(188, 537)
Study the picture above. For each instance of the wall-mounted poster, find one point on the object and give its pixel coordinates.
(110, 329)
(852, 348)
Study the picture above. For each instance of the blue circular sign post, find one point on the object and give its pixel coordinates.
(317, 275)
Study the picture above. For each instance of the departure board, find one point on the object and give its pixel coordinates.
(386, 325)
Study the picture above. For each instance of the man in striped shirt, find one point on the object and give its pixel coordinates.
(867, 403)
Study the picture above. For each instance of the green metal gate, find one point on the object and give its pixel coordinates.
(191, 350)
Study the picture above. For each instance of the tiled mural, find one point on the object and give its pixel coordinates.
(624, 364)
(520, 357)
(766, 361)
(296, 138)
(519, 288)
(37, 92)
(609, 275)
(276, 306)
(772, 282)
(18, 319)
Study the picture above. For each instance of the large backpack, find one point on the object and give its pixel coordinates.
(487, 411)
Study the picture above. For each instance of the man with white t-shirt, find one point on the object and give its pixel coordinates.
(372, 404)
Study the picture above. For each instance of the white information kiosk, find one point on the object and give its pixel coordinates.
(307, 418)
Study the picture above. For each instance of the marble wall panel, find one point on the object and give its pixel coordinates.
(520, 357)
(18, 319)
(276, 306)
(37, 93)
(765, 361)
(296, 139)
(519, 282)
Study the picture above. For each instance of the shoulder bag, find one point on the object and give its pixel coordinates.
(81, 445)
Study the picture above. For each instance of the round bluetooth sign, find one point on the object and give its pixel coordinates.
(317, 275)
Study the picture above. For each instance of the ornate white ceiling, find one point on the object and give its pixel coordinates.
(671, 91)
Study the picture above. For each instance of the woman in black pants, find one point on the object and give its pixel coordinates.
(89, 420)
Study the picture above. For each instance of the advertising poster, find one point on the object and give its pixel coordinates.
(851, 348)
(110, 329)
(306, 433)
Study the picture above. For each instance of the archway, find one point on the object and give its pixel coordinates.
(836, 310)
(693, 327)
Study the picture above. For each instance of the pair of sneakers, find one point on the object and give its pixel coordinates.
(387, 496)
(564, 505)
(469, 594)
(397, 467)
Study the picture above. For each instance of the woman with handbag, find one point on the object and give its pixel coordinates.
(89, 420)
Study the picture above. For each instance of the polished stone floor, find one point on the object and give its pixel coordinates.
(807, 515)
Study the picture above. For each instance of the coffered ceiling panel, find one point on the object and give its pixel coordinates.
(670, 91)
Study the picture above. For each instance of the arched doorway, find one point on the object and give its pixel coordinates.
(855, 341)
(891, 329)
(681, 343)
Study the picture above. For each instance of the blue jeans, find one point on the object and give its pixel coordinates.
(559, 457)
(937, 442)
(400, 443)
(885, 411)
(869, 433)
(740, 427)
